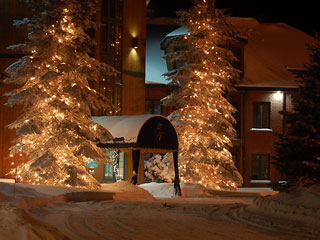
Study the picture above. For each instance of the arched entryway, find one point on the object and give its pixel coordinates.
(141, 133)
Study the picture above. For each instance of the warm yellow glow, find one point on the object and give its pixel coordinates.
(278, 95)
(133, 61)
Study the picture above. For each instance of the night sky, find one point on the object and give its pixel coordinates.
(303, 14)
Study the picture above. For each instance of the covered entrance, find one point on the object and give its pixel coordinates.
(139, 134)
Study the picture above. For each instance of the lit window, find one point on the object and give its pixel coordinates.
(260, 167)
(261, 115)
(108, 174)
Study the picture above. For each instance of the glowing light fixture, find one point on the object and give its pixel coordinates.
(278, 95)
(135, 42)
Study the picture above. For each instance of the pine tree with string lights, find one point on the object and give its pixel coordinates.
(55, 131)
(204, 117)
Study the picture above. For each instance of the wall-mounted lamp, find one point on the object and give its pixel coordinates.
(135, 42)
(278, 95)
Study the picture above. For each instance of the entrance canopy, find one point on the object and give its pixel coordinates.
(153, 133)
(147, 133)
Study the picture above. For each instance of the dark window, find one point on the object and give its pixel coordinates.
(112, 9)
(180, 48)
(260, 167)
(148, 107)
(237, 53)
(261, 115)
(153, 107)
(178, 64)
(104, 7)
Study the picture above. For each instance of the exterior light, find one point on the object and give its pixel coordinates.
(278, 95)
(134, 42)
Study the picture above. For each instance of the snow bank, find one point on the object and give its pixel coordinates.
(15, 223)
(16, 200)
(159, 190)
(7, 180)
(190, 190)
(166, 190)
(31, 196)
(25, 197)
(262, 191)
(18, 190)
(298, 209)
(298, 204)
(47, 190)
(126, 191)
(193, 190)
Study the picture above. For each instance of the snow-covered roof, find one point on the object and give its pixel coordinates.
(155, 64)
(127, 127)
(272, 49)
(141, 130)
(243, 25)
(179, 31)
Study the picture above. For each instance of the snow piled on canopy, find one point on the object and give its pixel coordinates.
(127, 127)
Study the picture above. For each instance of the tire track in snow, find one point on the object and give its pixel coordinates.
(92, 228)
(78, 225)
(93, 222)
(291, 229)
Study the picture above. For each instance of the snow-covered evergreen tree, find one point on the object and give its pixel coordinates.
(203, 119)
(55, 131)
(298, 150)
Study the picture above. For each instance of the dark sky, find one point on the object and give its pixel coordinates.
(302, 14)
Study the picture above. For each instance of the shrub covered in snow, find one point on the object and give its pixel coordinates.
(159, 169)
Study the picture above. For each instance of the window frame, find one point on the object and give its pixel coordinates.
(152, 104)
(259, 123)
(260, 170)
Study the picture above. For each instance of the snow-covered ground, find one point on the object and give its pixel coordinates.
(150, 211)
